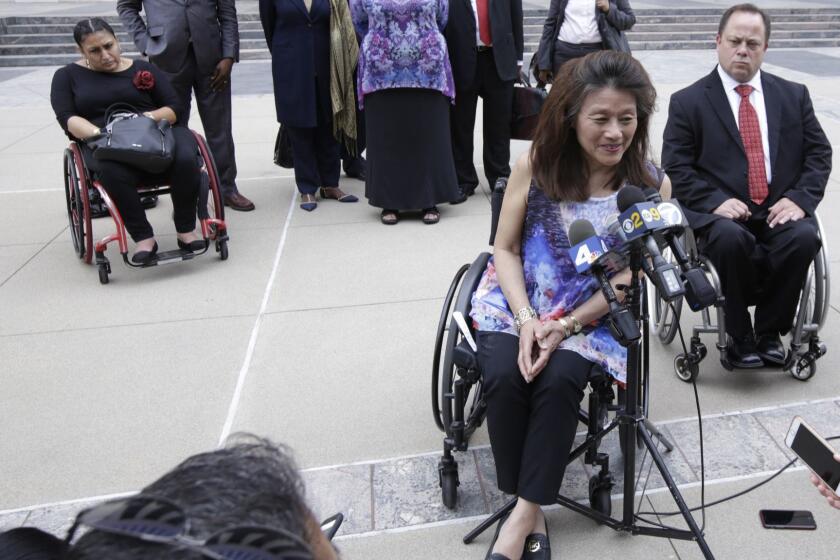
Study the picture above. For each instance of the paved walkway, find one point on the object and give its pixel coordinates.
(318, 332)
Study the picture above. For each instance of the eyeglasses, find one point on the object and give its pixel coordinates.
(158, 520)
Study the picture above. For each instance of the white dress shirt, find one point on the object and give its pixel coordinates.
(757, 101)
(579, 23)
(478, 40)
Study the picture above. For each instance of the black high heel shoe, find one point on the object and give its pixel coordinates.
(144, 257)
(194, 246)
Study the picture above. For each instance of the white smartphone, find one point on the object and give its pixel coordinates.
(814, 451)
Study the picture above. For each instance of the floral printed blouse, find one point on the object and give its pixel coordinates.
(402, 45)
(554, 287)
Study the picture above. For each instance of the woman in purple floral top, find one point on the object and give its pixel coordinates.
(406, 88)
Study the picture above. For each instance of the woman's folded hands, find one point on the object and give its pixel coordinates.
(537, 340)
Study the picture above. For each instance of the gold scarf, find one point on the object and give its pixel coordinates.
(344, 54)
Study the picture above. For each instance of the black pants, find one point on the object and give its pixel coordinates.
(760, 266)
(498, 105)
(563, 52)
(214, 108)
(532, 425)
(183, 176)
(316, 151)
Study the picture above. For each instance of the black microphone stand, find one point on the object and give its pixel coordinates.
(633, 417)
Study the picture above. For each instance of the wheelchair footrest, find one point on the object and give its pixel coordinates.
(169, 257)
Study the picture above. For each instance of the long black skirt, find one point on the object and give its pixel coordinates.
(409, 149)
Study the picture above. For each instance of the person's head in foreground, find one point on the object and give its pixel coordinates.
(594, 121)
(251, 484)
(742, 39)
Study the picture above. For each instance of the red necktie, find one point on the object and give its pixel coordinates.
(482, 7)
(751, 137)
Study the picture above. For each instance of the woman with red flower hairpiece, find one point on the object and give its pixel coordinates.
(81, 94)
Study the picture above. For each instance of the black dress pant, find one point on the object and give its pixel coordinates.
(532, 425)
(214, 108)
(183, 175)
(498, 107)
(564, 52)
(317, 152)
(760, 266)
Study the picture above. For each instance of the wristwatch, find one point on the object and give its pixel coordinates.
(523, 316)
(576, 326)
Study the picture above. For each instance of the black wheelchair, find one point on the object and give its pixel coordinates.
(86, 199)
(805, 345)
(457, 398)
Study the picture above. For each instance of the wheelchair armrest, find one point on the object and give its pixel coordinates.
(464, 357)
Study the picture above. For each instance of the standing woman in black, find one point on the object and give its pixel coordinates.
(298, 36)
(575, 28)
(81, 94)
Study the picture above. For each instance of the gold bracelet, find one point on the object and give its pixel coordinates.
(576, 325)
(565, 326)
(523, 316)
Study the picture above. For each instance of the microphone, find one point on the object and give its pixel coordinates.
(699, 292)
(584, 244)
(640, 220)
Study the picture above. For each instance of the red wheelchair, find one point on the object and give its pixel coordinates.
(83, 192)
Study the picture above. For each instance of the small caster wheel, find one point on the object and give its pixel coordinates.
(804, 368)
(686, 369)
(700, 350)
(449, 488)
(222, 248)
(599, 496)
(103, 274)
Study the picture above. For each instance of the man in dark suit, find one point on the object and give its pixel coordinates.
(752, 201)
(196, 43)
(486, 44)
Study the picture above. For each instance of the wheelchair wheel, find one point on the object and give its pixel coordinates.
(222, 248)
(78, 203)
(441, 335)
(103, 274)
(215, 204)
(664, 317)
(686, 369)
(599, 496)
(449, 489)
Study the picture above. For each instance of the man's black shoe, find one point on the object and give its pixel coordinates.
(771, 349)
(464, 192)
(742, 353)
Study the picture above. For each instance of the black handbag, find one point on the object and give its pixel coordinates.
(135, 139)
(283, 149)
(527, 104)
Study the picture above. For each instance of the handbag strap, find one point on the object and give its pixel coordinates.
(117, 108)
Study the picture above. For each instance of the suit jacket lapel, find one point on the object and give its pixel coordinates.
(772, 104)
(471, 21)
(302, 7)
(720, 104)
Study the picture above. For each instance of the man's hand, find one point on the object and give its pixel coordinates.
(733, 209)
(783, 212)
(603, 5)
(221, 76)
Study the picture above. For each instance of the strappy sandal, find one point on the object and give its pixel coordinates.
(431, 215)
(389, 217)
(336, 193)
(308, 202)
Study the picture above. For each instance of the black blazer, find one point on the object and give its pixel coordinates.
(508, 39)
(299, 41)
(703, 154)
(620, 16)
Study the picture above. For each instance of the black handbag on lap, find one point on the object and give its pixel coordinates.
(283, 149)
(527, 104)
(135, 139)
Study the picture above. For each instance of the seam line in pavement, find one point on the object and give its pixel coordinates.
(30, 259)
(353, 306)
(255, 331)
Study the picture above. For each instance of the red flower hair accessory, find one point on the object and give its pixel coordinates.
(143, 80)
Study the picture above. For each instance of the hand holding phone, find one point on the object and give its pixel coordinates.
(819, 456)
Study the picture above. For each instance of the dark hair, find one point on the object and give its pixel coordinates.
(251, 482)
(750, 9)
(557, 161)
(91, 25)
(29, 543)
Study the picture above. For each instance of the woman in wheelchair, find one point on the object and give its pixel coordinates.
(592, 138)
(81, 94)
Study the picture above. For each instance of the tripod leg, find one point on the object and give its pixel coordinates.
(470, 537)
(672, 486)
(651, 427)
